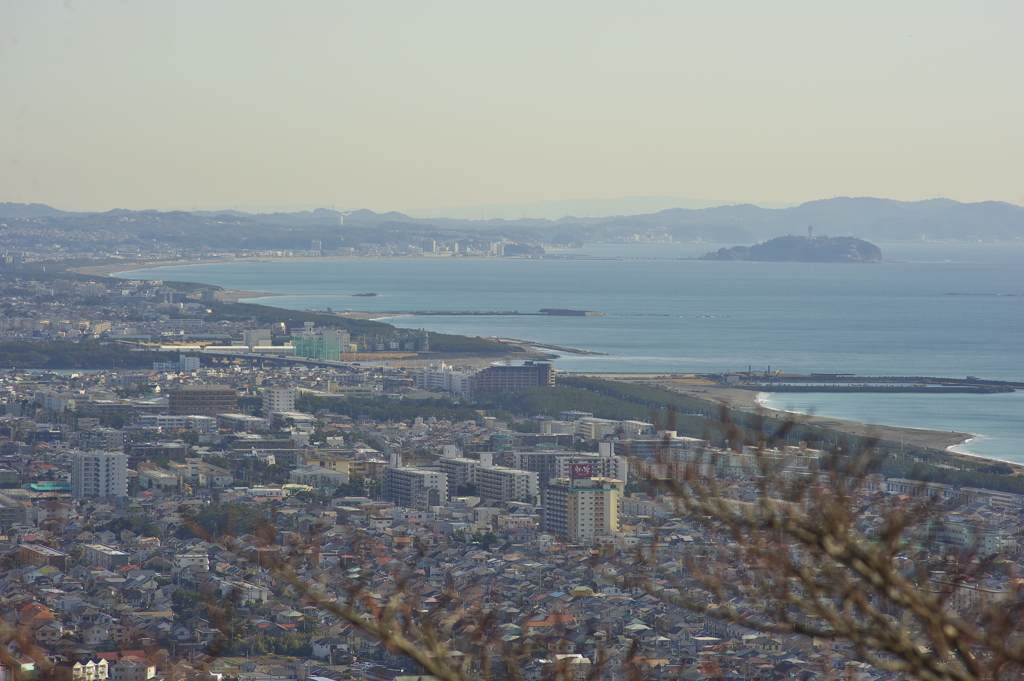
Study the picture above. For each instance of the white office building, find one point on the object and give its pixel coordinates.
(253, 338)
(442, 378)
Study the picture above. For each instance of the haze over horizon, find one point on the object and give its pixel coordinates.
(458, 106)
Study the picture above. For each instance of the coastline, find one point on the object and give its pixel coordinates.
(711, 393)
(229, 295)
(110, 269)
(233, 295)
(735, 398)
(908, 434)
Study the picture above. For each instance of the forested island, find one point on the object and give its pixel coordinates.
(802, 249)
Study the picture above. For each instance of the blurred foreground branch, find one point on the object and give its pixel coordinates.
(835, 559)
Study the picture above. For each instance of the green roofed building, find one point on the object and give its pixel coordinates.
(326, 344)
(50, 486)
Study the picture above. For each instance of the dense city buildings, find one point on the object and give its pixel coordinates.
(131, 494)
(471, 503)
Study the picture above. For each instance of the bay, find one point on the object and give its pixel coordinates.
(930, 309)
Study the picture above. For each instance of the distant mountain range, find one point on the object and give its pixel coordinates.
(556, 210)
(874, 219)
(31, 210)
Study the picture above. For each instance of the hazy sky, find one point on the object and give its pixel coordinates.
(416, 104)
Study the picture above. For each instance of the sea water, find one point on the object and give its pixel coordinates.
(996, 420)
(929, 310)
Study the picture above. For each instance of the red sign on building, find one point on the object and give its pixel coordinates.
(581, 470)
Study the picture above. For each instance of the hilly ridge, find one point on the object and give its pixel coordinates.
(865, 218)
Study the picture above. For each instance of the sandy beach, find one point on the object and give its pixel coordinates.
(107, 269)
(738, 398)
(128, 266)
(228, 295)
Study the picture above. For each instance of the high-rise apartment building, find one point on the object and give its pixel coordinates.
(278, 400)
(459, 471)
(580, 507)
(494, 483)
(497, 483)
(99, 474)
(414, 487)
(497, 379)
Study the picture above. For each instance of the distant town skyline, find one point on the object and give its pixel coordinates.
(420, 107)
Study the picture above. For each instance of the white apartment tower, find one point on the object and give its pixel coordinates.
(99, 474)
(188, 363)
(278, 400)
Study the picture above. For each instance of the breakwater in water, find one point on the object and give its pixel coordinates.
(548, 311)
(851, 383)
(878, 389)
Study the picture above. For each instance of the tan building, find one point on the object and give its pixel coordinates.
(580, 507)
(203, 400)
(39, 554)
(327, 460)
(104, 556)
(132, 669)
(369, 469)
